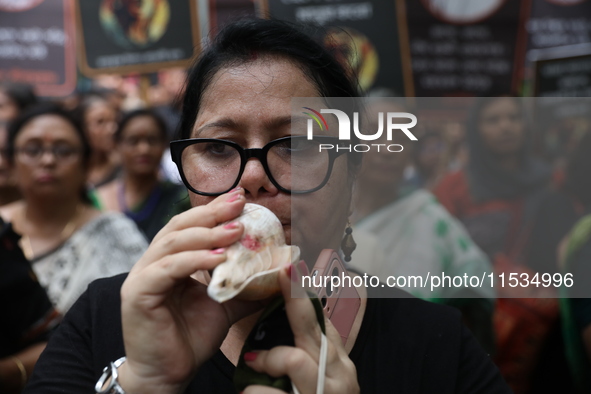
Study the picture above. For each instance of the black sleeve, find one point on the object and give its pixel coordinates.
(411, 346)
(64, 366)
(476, 371)
(30, 313)
(86, 341)
(25, 303)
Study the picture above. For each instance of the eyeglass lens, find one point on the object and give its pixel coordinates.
(35, 152)
(294, 164)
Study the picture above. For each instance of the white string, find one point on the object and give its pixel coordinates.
(321, 367)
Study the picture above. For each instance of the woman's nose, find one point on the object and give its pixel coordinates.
(143, 146)
(255, 181)
(47, 157)
(508, 123)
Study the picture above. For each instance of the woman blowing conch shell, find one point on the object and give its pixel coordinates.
(237, 146)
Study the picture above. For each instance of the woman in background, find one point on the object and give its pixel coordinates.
(497, 197)
(139, 193)
(68, 242)
(402, 230)
(14, 99)
(99, 118)
(8, 190)
(28, 315)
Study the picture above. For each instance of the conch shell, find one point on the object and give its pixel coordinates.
(253, 262)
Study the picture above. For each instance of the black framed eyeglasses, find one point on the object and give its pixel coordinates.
(294, 164)
(34, 153)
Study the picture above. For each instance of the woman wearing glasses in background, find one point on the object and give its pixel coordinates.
(139, 192)
(236, 145)
(68, 242)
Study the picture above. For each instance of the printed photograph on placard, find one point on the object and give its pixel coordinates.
(135, 23)
(356, 50)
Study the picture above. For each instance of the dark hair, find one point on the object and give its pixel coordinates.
(46, 109)
(238, 42)
(87, 100)
(482, 103)
(128, 117)
(22, 94)
(577, 181)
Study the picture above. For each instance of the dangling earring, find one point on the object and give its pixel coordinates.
(348, 244)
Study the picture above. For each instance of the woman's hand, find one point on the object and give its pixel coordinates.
(300, 363)
(170, 325)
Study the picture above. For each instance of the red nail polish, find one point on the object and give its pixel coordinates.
(293, 274)
(303, 268)
(218, 251)
(234, 197)
(250, 356)
(231, 226)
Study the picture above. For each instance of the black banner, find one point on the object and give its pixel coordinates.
(131, 36)
(554, 23)
(375, 29)
(568, 75)
(466, 47)
(37, 45)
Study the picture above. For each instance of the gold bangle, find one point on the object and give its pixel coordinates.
(23, 370)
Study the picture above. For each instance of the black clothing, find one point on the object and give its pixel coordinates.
(27, 314)
(166, 200)
(404, 346)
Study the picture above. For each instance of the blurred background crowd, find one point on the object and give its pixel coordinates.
(496, 182)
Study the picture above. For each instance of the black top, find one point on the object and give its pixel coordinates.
(25, 310)
(404, 346)
(166, 200)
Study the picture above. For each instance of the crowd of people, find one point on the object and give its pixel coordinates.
(80, 198)
(87, 192)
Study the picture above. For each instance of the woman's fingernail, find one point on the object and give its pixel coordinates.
(250, 356)
(234, 197)
(293, 274)
(236, 189)
(231, 226)
(303, 268)
(218, 251)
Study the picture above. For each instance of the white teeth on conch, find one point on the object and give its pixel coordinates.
(253, 263)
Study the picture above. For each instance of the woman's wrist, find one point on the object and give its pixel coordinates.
(13, 375)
